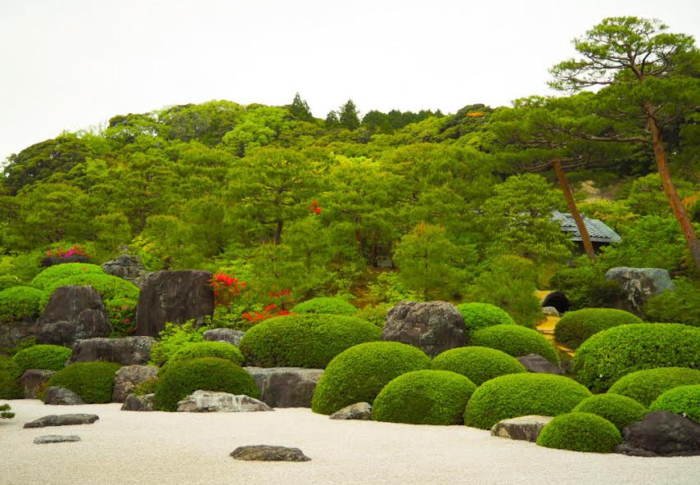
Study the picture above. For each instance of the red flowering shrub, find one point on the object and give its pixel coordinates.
(122, 316)
(226, 288)
(314, 208)
(270, 311)
(61, 252)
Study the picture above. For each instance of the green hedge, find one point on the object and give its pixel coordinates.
(516, 341)
(110, 287)
(580, 432)
(92, 381)
(482, 315)
(9, 379)
(576, 327)
(361, 372)
(206, 374)
(607, 356)
(20, 303)
(331, 306)
(199, 350)
(50, 275)
(478, 364)
(683, 400)
(515, 395)
(310, 341)
(47, 357)
(646, 385)
(619, 410)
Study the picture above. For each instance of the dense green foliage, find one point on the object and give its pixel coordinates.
(10, 373)
(20, 303)
(683, 400)
(580, 431)
(481, 315)
(479, 364)
(198, 350)
(361, 372)
(578, 326)
(516, 341)
(332, 306)
(424, 397)
(619, 410)
(92, 381)
(682, 305)
(174, 338)
(645, 386)
(110, 287)
(50, 275)
(5, 412)
(47, 357)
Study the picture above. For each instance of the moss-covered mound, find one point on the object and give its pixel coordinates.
(92, 381)
(310, 341)
(516, 395)
(683, 400)
(478, 364)
(47, 357)
(607, 356)
(9, 379)
(619, 410)
(646, 386)
(361, 372)
(50, 275)
(207, 374)
(199, 350)
(482, 315)
(576, 327)
(580, 432)
(21, 303)
(516, 341)
(110, 287)
(331, 306)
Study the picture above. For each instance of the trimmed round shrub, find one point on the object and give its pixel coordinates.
(146, 387)
(424, 397)
(92, 381)
(20, 303)
(478, 364)
(50, 275)
(574, 328)
(9, 379)
(331, 306)
(482, 315)
(619, 410)
(645, 386)
(516, 341)
(46, 357)
(310, 341)
(580, 432)
(206, 374)
(361, 372)
(110, 287)
(517, 395)
(683, 400)
(199, 350)
(607, 356)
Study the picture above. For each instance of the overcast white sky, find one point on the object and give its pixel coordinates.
(72, 64)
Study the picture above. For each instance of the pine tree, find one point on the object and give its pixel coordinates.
(300, 109)
(349, 116)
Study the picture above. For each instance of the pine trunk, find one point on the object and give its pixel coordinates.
(571, 203)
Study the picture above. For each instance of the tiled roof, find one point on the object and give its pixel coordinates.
(597, 230)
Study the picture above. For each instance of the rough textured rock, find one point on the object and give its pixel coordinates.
(220, 402)
(138, 403)
(539, 365)
(286, 387)
(56, 260)
(550, 311)
(433, 326)
(227, 335)
(638, 285)
(173, 296)
(34, 381)
(128, 267)
(73, 313)
(524, 428)
(127, 378)
(268, 453)
(661, 433)
(12, 333)
(55, 438)
(62, 420)
(124, 351)
(60, 396)
(361, 411)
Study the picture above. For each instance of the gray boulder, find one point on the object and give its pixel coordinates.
(550, 311)
(62, 420)
(433, 326)
(56, 260)
(227, 335)
(661, 433)
(638, 285)
(138, 403)
(127, 378)
(34, 381)
(524, 428)
(128, 267)
(220, 402)
(124, 351)
(60, 396)
(537, 364)
(268, 453)
(12, 333)
(286, 387)
(360, 411)
(55, 438)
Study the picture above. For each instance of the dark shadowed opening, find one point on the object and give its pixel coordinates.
(558, 300)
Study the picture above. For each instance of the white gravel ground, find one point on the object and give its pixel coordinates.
(191, 449)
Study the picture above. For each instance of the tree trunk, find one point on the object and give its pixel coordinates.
(278, 233)
(571, 203)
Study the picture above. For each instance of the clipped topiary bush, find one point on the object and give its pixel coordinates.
(50, 275)
(110, 287)
(607, 356)
(9, 379)
(580, 432)
(46, 357)
(361, 372)
(478, 364)
(92, 381)
(516, 341)
(576, 327)
(199, 350)
(206, 374)
(424, 397)
(516, 395)
(310, 341)
(683, 400)
(482, 315)
(619, 410)
(645, 386)
(21, 303)
(331, 306)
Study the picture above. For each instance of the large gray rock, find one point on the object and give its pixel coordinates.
(127, 378)
(227, 335)
(524, 428)
(173, 296)
(537, 364)
(124, 351)
(286, 387)
(12, 333)
(128, 267)
(34, 381)
(138, 403)
(433, 326)
(661, 433)
(73, 313)
(268, 453)
(62, 420)
(55, 438)
(60, 396)
(361, 411)
(638, 285)
(220, 402)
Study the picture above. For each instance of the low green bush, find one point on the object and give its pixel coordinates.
(110, 287)
(683, 400)
(92, 381)
(482, 315)
(478, 364)
(580, 432)
(199, 350)
(46, 357)
(9, 379)
(680, 305)
(5, 412)
(607, 356)
(424, 397)
(173, 338)
(515, 395)
(206, 374)
(50, 275)
(645, 386)
(331, 306)
(576, 327)
(310, 341)
(516, 341)
(375, 314)
(146, 387)
(21, 303)
(619, 410)
(361, 372)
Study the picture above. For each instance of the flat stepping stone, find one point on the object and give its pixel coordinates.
(524, 428)
(268, 453)
(62, 420)
(55, 438)
(220, 402)
(360, 411)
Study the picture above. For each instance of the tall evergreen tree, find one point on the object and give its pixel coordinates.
(300, 109)
(349, 116)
